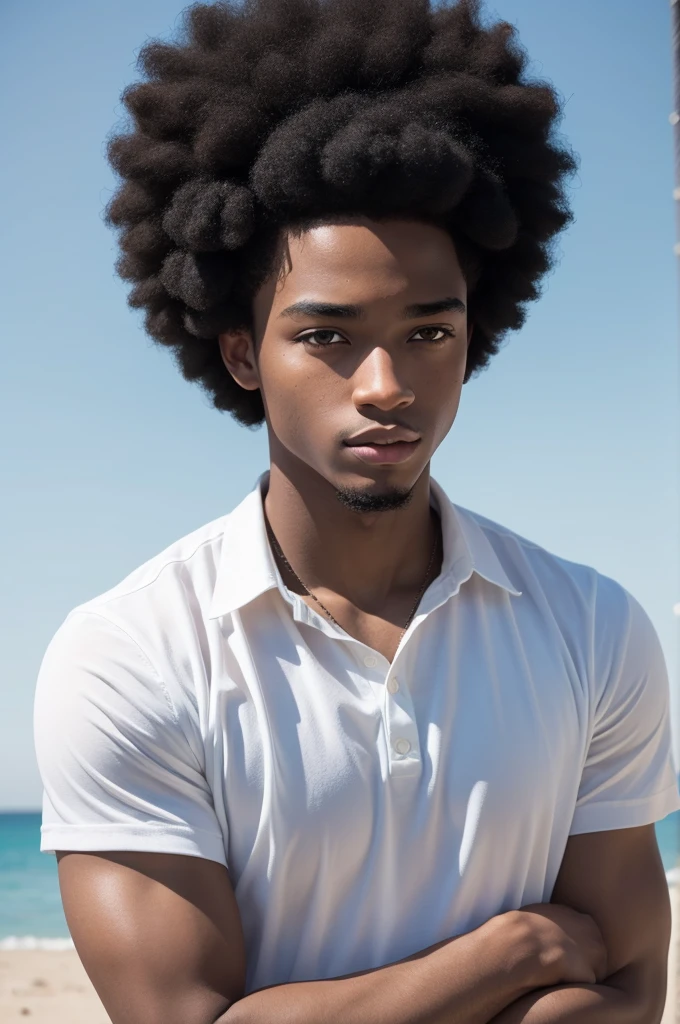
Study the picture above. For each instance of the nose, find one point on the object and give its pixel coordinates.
(377, 383)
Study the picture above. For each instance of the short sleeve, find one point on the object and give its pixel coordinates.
(628, 778)
(117, 769)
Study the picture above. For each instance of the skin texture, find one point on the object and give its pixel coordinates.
(160, 935)
(161, 938)
(617, 877)
(379, 370)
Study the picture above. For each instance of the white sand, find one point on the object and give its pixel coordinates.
(47, 987)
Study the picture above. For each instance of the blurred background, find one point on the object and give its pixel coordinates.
(570, 438)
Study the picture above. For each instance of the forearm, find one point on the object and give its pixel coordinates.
(615, 1002)
(470, 978)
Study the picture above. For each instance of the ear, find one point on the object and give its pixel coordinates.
(470, 331)
(238, 355)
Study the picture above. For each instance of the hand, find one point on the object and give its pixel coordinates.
(566, 947)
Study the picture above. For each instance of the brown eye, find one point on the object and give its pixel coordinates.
(430, 332)
(321, 337)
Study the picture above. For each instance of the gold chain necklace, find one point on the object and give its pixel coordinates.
(307, 591)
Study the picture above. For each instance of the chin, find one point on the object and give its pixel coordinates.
(374, 496)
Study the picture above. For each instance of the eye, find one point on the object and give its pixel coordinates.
(322, 337)
(443, 331)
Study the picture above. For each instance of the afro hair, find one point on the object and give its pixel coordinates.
(272, 114)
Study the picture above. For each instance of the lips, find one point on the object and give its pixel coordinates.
(385, 452)
(382, 436)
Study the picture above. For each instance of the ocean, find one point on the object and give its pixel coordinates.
(31, 915)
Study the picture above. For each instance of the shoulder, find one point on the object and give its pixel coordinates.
(531, 567)
(150, 629)
(587, 606)
(176, 582)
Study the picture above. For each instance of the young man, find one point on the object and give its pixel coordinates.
(351, 753)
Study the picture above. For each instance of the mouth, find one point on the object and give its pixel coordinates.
(383, 453)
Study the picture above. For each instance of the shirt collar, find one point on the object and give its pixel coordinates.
(467, 549)
(247, 568)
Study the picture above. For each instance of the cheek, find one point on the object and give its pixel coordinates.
(299, 394)
(443, 393)
(443, 376)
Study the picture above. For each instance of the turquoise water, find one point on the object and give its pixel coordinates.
(30, 906)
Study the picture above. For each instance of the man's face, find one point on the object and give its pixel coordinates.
(360, 379)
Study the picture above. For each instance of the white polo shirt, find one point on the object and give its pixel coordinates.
(365, 810)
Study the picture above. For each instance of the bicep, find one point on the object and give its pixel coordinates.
(159, 935)
(617, 877)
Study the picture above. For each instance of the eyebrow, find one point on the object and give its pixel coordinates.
(432, 308)
(329, 309)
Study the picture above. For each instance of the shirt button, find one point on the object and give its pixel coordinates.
(370, 661)
(402, 746)
(393, 685)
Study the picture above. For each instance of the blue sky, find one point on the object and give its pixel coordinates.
(570, 438)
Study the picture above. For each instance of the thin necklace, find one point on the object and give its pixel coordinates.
(307, 591)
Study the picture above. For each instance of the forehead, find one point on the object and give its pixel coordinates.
(370, 260)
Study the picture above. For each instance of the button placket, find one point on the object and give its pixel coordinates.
(402, 730)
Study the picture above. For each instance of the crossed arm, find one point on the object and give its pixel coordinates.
(617, 878)
(161, 939)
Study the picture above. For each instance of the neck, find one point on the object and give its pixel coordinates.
(365, 557)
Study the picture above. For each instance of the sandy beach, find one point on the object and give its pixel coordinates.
(47, 987)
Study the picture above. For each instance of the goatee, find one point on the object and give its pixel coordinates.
(362, 501)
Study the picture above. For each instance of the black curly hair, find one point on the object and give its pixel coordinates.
(273, 114)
